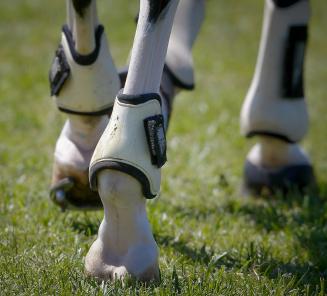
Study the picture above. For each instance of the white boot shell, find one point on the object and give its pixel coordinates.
(264, 110)
(123, 146)
(89, 88)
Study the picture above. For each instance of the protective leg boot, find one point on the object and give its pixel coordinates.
(275, 106)
(134, 142)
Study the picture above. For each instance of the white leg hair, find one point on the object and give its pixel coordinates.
(149, 51)
(187, 24)
(125, 244)
(78, 139)
(83, 26)
(274, 153)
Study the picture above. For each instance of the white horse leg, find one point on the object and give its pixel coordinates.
(179, 59)
(178, 71)
(84, 83)
(275, 109)
(125, 167)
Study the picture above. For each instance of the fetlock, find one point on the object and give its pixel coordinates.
(134, 142)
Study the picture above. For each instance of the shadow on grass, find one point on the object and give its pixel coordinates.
(250, 258)
(302, 217)
(305, 219)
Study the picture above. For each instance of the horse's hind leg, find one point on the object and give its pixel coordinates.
(275, 110)
(186, 27)
(84, 83)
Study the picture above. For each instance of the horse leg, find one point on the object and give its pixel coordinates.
(186, 27)
(178, 73)
(275, 109)
(84, 83)
(125, 167)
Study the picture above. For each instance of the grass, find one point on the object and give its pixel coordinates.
(212, 240)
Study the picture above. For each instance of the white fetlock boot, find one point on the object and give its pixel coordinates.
(275, 109)
(84, 83)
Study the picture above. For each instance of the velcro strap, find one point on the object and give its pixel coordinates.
(156, 137)
(292, 84)
(59, 71)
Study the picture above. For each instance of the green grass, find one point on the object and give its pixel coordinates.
(212, 240)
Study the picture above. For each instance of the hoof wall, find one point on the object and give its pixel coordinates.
(266, 181)
(68, 194)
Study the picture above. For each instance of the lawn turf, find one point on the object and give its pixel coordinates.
(212, 240)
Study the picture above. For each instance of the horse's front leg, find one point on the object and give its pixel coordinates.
(84, 83)
(125, 167)
(275, 109)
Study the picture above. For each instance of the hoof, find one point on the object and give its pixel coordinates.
(140, 262)
(70, 190)
(266, 181)
(125, 246)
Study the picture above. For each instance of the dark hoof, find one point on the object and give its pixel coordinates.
(264, 181)
(73, 196)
